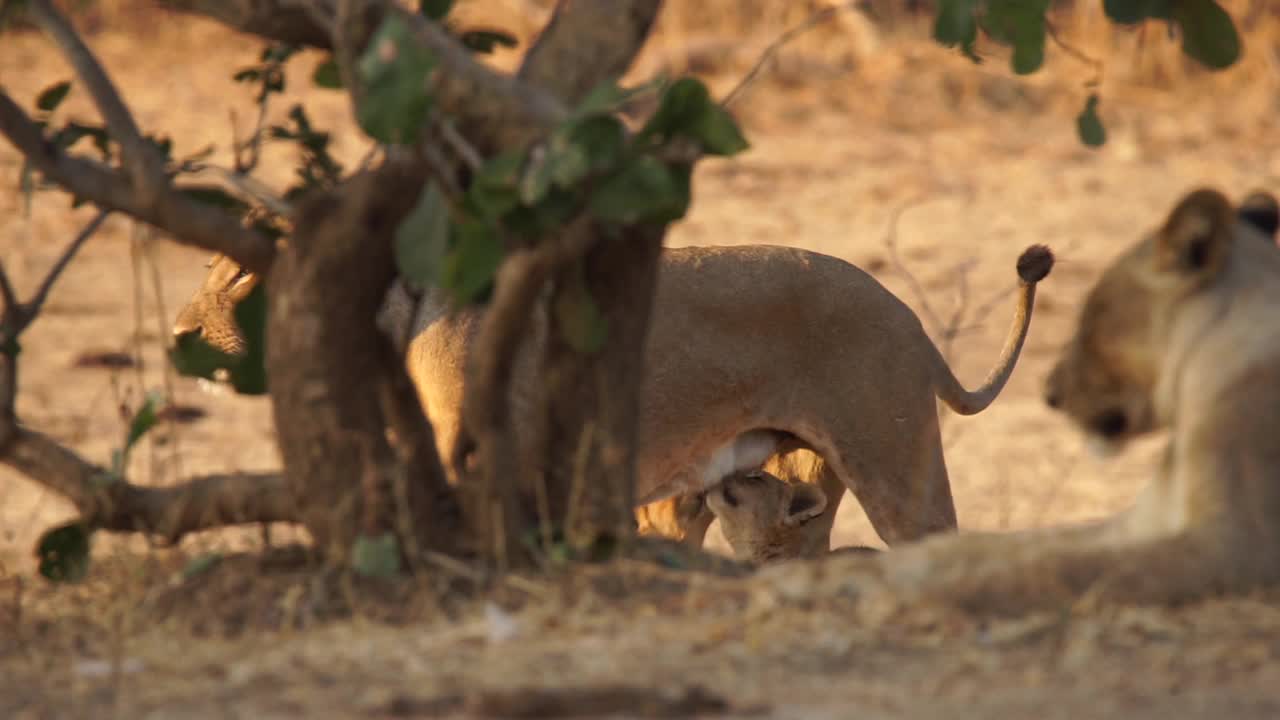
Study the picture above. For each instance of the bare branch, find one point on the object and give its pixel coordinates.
(891, 244)
(145, 166)
(6, 293)
(805, 25)
(31, 309)
(296, 22)
(249, 187)
(460, 145)
(189, 222)
(170, 512)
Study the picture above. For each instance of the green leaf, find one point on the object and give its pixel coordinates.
(493, 190)
(602, 138)
(1208, 34)
(608, 97)
(955, 26)
(484, 41)
(472, 262)
(247, 75)
(581, 323)
(1089, 126)
(1131, 12)
(687, 109)
(377, 556)
(682, 106)
(423, 238)
(51, 97)
(644, 190)
(556, 209)
(279, 53)
(145, 419)
(394, 70)
(201, 564)
(247, 374)
(435, 9)
(73, 132)
(64, 553)
(326, 75)
(718, 133)
(9, 347)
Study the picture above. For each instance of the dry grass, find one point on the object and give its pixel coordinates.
(851, 124)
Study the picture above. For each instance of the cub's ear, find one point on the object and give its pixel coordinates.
(1261, 210)
(1196, 237)
(807, 502)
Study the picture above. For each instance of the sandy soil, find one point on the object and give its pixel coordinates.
(833, 161)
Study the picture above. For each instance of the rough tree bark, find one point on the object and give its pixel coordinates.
(337, 383)
(593, 400)
(590, 402)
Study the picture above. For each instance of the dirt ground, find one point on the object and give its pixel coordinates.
(978, 166)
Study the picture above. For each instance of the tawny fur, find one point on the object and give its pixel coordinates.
(1178, 334)
(750, 344)
(767, 519)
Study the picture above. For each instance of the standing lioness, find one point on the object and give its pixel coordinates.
(744, 339)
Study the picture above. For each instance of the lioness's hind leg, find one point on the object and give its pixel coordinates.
(900, 479)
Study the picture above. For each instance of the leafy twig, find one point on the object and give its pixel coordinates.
(188, 221)
(145, 166)
(1075, 52)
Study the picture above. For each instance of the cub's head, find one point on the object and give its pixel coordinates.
(210, 314)
(765, 518)
(1106, 375)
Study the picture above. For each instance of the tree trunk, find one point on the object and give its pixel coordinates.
(337, 385)
(593, 398)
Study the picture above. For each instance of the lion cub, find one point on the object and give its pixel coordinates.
(764, 518)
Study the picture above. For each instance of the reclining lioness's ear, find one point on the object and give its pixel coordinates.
(1196, 237)
(1261, 210)
(807, 502)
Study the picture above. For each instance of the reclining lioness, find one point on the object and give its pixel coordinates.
(1180, 333)
(752, 350)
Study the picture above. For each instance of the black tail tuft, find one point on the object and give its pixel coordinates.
(1035, 263)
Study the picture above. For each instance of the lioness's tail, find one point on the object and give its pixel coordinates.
(1033, 266)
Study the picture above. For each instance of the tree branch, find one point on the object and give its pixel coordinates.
(189, 222)
(201, 503)
(28, 311)
(295, 22)
(143, 162)
(103, 501)
(496, 111)
(586, 43)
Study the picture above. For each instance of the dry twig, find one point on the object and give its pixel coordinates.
(814, 20)
(189, 222)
